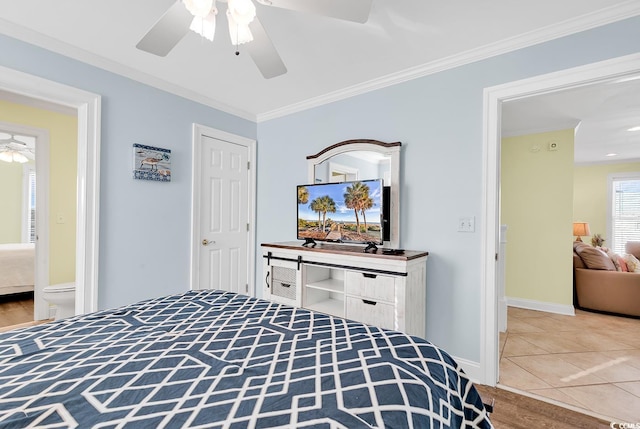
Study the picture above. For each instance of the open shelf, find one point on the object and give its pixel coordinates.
(330, 285)
(331, 306)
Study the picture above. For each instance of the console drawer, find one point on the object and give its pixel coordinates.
(371, 286)
(371, 312)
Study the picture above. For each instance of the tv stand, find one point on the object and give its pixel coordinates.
(385, 290)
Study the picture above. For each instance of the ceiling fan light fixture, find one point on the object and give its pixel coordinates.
(199, 8)
(239, 33)
(18, 157)
(242, 11)
(206, 27)
(13, 156)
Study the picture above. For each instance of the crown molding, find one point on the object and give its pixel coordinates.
(38, 39)
(574, 25)
(556, 126)
(571, 26)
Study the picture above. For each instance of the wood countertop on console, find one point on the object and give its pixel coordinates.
(347, 249)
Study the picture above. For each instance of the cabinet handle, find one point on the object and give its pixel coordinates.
(266, 279)
(369, 276)
(285, 285)
(366, 301)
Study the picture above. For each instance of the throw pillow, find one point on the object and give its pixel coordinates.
(594, 259)
(633, 264)
(623, 264)
(613, 256)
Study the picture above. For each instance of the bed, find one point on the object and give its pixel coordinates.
(214, 359)
(16, 267)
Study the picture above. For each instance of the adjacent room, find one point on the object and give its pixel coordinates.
(421, 276)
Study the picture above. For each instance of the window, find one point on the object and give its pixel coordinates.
(624, 203)
(29, 204)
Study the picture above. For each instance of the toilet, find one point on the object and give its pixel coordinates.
(63, 296)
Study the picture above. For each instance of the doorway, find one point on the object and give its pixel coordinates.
(34, 212)
(223, 211)
(87, 106)
(493, 98)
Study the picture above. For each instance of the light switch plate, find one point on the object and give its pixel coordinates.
(467, 224)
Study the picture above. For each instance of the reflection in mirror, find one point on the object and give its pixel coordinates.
(364, 160)
(354, 165)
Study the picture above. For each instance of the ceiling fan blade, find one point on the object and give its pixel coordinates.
(168, 31)
(349, 10)
(263, 52)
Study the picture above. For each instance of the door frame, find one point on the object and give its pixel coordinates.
(88, 107)
(200, 131)
(615, 68)
(41, 262)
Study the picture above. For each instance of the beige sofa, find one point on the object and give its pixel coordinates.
(599, 287)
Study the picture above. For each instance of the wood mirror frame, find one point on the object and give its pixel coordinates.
(388, 150)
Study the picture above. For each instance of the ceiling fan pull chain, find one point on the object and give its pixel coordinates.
(237, 43)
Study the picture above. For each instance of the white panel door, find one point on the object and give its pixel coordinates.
(224, 211)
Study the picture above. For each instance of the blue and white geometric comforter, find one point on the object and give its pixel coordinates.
(213, 359)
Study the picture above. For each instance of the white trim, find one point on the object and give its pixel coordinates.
(198, 132)
(471, 368)
(585, 22)
(88, 175)
(561, 29)
(62, 48)
(547, 307)
(562, 125)
(493, 99)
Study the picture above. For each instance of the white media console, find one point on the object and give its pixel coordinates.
(387, 291)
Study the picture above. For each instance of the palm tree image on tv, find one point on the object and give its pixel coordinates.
(345, 212)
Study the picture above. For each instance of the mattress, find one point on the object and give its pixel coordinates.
(17, 267)
(214, 359)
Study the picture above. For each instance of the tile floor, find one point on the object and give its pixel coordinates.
(589, 361)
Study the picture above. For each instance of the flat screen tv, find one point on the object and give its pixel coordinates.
(346, 212)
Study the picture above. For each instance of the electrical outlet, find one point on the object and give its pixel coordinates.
(467, 224)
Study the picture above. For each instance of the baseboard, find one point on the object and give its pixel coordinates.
(548, 307)
(471, 368)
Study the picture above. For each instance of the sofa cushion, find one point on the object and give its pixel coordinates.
(593, 258)
(632, 247)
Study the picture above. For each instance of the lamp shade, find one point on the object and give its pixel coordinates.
(581, 229)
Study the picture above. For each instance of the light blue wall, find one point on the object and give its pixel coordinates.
(144, 226)
(438, 119)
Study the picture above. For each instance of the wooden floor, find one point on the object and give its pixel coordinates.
(514, 411)
(16, 309)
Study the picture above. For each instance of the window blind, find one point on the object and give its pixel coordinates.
(31, 212)
(625, 220)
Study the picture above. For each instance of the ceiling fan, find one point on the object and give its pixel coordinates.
(244, 25)
(16, 148)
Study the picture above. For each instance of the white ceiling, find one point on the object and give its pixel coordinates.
(602, 114)
(326, 58)
(329, 59)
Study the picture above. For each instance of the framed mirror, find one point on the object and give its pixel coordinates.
(362, 160)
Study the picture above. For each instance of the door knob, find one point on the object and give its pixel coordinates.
(206, 242)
